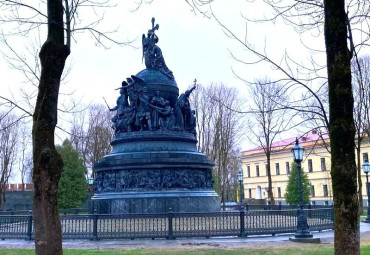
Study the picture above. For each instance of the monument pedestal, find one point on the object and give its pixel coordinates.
(157, 202)
(152, 171)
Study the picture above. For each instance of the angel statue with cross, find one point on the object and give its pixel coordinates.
(152, 54)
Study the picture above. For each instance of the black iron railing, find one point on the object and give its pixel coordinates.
(172, 225)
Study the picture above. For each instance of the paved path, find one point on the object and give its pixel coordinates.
(186, 243)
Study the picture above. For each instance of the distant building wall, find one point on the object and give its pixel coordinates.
(19, 187)
(316, 164)
(18, 196)
(18, 200)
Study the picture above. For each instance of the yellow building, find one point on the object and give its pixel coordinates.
(316, 164)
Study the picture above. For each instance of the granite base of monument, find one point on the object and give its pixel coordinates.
(157, 202)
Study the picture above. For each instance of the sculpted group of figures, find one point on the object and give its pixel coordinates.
(138, 111)
(153, 180)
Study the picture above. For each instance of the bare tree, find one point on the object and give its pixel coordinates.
(270, 119)
(25, 153)
(204, 109)
(218, 128)
(8, 151)
(91, 136)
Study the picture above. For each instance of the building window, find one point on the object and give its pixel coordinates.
(257, 171)
(325, 190)
(312, 191)
(365, 156)
(310, 165)
(277, 169)
(279, 192)
(266, 169)
(249, 171)
(250, 193)
(287, 167)
(323, 165)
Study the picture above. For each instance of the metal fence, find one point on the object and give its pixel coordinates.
(171, 225)
(278, 206)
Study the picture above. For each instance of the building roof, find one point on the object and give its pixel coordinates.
(307, 140)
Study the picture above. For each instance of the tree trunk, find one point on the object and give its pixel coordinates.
(360, 200)
(342, 130)
(47, 162)
(270, 193)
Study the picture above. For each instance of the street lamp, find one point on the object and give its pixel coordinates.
(303, 230)
(366, 169)
(90, 181)
(240, 179)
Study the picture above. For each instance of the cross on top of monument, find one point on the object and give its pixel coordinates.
(156, 27)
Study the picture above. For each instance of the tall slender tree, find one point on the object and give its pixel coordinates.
(341, 129)
(47, 162)
(269, 121)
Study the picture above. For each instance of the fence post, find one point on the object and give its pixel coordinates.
(170, 225)
(332, 214)
(11, 217)
(95, 226)
(279, 205)
(29, 227)
(242, 223)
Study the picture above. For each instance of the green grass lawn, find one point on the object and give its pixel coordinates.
(313, 250)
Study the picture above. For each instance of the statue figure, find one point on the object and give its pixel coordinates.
(152, 54)
(191, 123)
(143, 114)
(157, 103)
(166, 117)
(125, 115)
(122, 104)
(182, 111)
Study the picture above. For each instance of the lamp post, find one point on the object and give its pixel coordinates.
(366, 169)
(90, 181)
(240, 179)
(303, 231)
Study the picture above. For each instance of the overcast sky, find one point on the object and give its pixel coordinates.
(193, 47)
